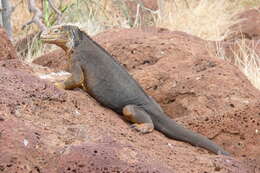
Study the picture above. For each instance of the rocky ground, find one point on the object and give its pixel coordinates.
(44, 129)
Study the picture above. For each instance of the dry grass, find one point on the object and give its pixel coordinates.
(93, 16)
(206, 19)
(245, 58)
(248, 61)
(97, 15)
(211, 20)
(20, 16)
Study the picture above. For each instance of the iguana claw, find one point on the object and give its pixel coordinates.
(142, 128)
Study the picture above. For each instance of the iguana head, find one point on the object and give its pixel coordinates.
(64, 36)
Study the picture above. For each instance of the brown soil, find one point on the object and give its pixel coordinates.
(44, 129)
(6, 47)
(49, 130)
(240, 49)
(57, 63)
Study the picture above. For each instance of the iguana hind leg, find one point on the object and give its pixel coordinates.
(142, 121)
(75, 80)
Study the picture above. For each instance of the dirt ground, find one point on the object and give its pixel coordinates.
(44, 129)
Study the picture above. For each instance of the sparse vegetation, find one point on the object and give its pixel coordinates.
(209, 20)
(248, 61)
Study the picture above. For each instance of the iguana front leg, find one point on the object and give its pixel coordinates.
(142, 121)
(75, 80)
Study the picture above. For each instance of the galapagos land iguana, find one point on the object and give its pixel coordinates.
(99, 74)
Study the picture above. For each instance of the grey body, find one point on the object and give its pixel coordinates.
(112, 86)
(107, 81)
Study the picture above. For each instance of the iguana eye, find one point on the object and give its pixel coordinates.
(56, 31)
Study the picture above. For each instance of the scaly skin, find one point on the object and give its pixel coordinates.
(99, 74)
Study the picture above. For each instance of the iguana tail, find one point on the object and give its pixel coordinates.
(173, 130)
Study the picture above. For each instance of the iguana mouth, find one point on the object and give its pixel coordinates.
(51, 38)
(55, 36)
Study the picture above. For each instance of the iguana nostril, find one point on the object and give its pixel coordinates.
(43, 34)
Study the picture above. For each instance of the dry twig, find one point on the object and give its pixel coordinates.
(57, 11)
(37, 16)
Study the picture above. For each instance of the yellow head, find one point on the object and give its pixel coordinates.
(63, 36)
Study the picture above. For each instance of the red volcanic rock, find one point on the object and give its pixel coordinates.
(55, 59)
(201, 91)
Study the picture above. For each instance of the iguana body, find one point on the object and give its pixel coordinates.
(110, 84)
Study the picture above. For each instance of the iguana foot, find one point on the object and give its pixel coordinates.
(60, 85)
(137, 115)
(143, 128)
